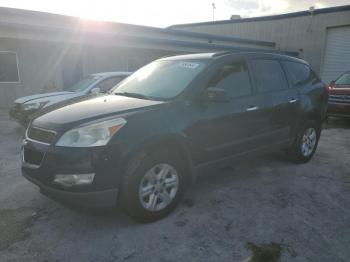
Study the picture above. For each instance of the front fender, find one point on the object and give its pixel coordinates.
(171, 141)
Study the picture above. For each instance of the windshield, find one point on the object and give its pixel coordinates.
(344, 79)
(160, 80)
(83, 84)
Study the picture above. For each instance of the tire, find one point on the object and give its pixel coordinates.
(306, 141)
(148, 173)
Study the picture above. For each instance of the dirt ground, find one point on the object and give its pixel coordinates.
(266, 210)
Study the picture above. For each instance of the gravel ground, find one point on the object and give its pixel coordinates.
(269, 209)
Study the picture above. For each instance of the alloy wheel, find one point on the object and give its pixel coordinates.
(158, 187)
(308, 142)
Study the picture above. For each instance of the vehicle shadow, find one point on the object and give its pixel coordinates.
(334, 122)
(221, 177)
(102, 216)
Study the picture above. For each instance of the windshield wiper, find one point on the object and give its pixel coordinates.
(129, 94)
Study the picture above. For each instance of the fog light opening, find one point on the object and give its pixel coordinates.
(69, 180)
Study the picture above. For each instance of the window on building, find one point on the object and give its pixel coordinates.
(8, 67)
(298, 73)
(233, 78)
(268, 75)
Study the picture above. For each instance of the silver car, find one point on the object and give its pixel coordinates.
(25, 107)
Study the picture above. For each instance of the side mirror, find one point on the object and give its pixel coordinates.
(95, 90)
(332, 83)
(214, 94)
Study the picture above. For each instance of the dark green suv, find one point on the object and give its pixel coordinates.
(143, 143)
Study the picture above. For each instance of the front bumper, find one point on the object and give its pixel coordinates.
(41, 163)
(338, 109)
(104, 198)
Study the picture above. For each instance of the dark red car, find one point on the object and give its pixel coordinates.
(339, 97)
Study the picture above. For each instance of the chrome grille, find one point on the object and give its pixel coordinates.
(339, 98)
(41, 135)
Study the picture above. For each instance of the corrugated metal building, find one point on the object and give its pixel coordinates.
(41, 52)
(321, 36)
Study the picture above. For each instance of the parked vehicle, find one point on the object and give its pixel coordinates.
(339, 97)
(25, 107)
(145, 142)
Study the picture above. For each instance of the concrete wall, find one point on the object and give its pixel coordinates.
(37, 65)
(50, 46)
(99, 58)
(34, 19)
(304, 34)
(40, 64)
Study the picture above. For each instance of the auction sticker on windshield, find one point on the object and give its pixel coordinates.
(189, 65)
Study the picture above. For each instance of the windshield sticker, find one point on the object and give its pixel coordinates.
(189, 65)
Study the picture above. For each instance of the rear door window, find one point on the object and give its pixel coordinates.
(268, 75)
(233, 78)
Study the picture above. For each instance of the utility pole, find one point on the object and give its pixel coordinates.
(214, 7)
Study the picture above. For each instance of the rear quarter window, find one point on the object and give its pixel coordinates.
(298, 73)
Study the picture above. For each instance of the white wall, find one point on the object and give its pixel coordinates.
(304, 34)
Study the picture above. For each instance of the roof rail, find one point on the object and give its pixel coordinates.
(223, 53)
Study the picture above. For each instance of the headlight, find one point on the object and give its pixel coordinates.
(97, 134)
(33, 106)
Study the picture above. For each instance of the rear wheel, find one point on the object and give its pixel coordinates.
(153, 185)
(306, 142)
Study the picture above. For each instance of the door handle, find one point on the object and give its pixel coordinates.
(252, 108)
(292, 101)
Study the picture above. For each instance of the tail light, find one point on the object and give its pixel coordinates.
(328, 89)
(330, 86)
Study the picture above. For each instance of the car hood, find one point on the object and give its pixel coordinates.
(52, 95)
(90, 110)
(340, 90)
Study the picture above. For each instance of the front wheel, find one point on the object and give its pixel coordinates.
(306, 142)
(153, 185)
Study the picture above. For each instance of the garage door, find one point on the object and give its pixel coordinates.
(337, 53)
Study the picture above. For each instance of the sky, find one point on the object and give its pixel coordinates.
(163, 13)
